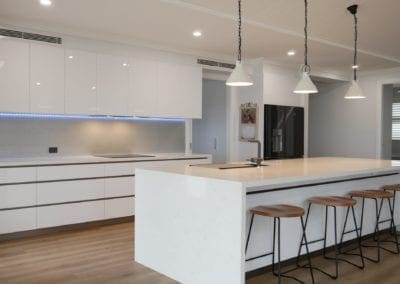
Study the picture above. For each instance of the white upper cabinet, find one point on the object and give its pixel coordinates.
(47, 79)
(179, 90)
(143, 94)
(80, 82)
(113, 85)
(14, 76)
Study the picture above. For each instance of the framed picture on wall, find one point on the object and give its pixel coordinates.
(248, 123)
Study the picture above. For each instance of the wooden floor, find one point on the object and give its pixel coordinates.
(105, 255)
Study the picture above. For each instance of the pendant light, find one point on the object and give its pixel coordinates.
(354, 92)
(305, 85)
(239, 77)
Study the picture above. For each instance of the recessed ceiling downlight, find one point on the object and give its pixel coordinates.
(45, 3)
(291, 52)
(197, 33)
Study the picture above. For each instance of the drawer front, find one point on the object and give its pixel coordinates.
(69, 172)
(11, 175)
(119, 169)
(17, 220)
(65, 191)
(122, 186)
(119, 207)
(17, 195)
(58, 215)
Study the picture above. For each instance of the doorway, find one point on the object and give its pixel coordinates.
(210, 132)
(391, 122)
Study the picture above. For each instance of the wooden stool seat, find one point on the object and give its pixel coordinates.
(371, 193)
(392, 187)
(277, 211)
(333, 201)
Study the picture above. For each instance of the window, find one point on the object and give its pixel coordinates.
(396, 121)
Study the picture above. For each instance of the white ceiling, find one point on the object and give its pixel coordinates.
(271, 27)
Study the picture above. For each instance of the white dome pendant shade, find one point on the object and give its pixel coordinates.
(354, 92)
(239, 77)
(305, 85)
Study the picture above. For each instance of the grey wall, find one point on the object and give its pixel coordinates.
(209, 133)
(340, 127)
(33, 136)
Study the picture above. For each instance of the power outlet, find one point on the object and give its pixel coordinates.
(53, 150)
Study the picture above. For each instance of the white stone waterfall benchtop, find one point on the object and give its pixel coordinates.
(292, 171)
(191, 222)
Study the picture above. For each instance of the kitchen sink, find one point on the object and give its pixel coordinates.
(121, 156)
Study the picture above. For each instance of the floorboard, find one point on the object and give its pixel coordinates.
(105, 255)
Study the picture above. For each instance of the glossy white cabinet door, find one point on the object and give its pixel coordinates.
(143, 80)
(179, 90)
(80, 82)
(14, 76)
(113, 84)
(47, 79)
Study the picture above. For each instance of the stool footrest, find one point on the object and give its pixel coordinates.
(259, 256)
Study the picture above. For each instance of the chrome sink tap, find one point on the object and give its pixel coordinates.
(257, 161)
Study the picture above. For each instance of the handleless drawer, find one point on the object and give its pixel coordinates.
(58, 215)
(119, 207)
(17, 220)
(66, 191)
(120, 169)
(12, 196)
(70, 172)
(16, 175)
(122, 186)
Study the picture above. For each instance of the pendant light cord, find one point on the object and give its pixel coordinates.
(355, 46)
(239, 30)
(306, 35)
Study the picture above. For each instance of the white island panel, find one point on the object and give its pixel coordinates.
(190, 228)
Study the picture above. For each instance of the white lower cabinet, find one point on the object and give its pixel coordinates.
(67, 191)
(12, 196)
(58, 215)
(17, 220)
(119, 207)
(70, 194)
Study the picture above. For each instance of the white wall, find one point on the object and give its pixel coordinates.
(353, 128)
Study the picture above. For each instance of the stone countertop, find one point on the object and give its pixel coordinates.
(89, 159)
(292, 172)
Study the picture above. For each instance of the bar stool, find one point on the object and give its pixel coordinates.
(334, 202)
(277, 212)
(375, 194)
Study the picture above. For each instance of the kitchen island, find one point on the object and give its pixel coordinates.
(192, 221)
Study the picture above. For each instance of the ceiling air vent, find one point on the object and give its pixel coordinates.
(215, 63)
(10, 33)
(30, 36)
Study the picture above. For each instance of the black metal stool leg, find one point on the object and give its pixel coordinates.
(359, 239)
(303, 226)
(248, 235)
